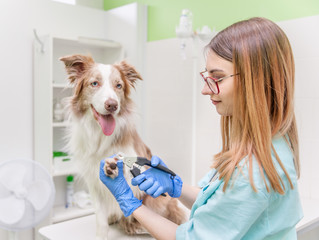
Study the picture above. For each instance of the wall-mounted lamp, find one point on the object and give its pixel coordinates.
(185, 31)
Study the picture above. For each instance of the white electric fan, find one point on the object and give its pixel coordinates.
(26, 194)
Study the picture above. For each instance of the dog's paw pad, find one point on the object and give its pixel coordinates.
(110, 168)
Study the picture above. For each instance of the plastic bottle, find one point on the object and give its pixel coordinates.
(186, 21)
(184, 30)
(185, 27)
(69, 191)
(58, 112)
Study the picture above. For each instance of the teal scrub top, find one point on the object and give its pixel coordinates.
(241, 213)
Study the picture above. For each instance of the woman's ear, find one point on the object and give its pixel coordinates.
(76, 65)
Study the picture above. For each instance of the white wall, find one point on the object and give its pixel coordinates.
(169, 104)
(304, 36)
(176, 130)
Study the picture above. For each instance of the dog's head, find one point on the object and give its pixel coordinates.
(102, 89)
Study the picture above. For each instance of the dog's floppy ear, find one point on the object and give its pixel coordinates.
(129, 72)
(76, 65)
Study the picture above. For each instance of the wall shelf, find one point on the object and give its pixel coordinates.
(61, 85)
(60, 124)
(62, 214)
(59, 173)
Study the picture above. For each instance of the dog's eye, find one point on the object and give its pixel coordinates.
(95, 84)
(119, 86)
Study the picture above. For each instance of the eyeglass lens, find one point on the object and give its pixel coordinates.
(212, 85)
(210, 82)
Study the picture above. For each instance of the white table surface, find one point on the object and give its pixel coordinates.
(83, 229)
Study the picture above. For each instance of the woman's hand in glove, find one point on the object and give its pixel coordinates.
(155, 182)
(120, 189)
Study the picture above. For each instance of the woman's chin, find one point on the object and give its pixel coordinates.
(222, 111)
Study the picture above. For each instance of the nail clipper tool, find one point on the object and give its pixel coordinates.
(136, 163)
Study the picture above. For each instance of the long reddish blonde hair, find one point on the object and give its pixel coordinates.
(263, 99)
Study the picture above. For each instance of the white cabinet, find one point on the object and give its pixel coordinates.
(50, 86)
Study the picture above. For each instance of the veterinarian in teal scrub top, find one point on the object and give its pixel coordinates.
(251, 191)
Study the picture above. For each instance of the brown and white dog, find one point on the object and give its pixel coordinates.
(102, 116)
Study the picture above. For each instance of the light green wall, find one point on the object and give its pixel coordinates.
(163, 15)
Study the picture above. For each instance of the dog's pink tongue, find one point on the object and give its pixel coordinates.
(107, 123)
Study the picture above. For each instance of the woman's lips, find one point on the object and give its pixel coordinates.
(215, 102)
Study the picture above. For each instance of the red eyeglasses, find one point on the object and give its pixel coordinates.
(213, 82)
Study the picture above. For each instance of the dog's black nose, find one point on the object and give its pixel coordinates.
(111, 105)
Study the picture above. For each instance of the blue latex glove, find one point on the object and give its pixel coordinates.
(155, 182)
(120, 190)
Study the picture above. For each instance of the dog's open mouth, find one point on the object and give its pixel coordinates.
(107, 122)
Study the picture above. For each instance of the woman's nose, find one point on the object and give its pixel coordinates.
(206, 90)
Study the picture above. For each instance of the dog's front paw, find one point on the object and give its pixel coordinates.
(110, 168)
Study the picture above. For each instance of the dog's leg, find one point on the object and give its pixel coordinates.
(110, 168)
(102, 226)
(131, 226)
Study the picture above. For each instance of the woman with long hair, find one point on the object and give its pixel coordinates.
(251, 191)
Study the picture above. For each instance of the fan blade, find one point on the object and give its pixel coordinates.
(4, 192)
(39, 194)
(12, 175)
(11, 210)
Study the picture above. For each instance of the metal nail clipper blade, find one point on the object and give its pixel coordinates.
(135, 164)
